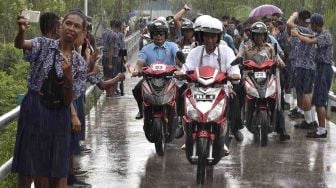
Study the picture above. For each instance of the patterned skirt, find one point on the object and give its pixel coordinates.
(42, 139)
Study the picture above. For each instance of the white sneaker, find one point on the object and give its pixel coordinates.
(226, 150)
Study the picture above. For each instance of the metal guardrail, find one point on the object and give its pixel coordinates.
(11, 116)
(332, 96)
(132, 45)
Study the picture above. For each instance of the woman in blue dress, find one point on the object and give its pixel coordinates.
(42, 142)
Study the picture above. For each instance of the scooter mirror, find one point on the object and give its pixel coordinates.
(237, 61)
(180, 56)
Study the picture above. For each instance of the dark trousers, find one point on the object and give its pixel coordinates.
(235, 107)
(137, 94)
(180, 99)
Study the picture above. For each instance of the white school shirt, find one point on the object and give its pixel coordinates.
(227, 56)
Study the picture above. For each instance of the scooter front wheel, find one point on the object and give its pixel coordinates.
(158, 132)
(264, 128)
(202, 155)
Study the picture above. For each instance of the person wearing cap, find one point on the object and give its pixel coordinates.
(324, 72)
(304, 68)
(294, 42)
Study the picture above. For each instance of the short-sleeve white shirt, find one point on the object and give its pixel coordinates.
(226, 57)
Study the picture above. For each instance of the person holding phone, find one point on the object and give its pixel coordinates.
(42, 143)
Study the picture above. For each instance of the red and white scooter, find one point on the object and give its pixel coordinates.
(204, 120)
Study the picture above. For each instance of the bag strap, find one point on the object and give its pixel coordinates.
(201, 62)
(219, 59)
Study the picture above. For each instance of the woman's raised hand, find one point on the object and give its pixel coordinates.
(23, 23)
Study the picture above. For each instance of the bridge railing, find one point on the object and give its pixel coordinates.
(132, 43)
(332, 96)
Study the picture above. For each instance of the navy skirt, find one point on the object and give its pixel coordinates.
(76, 137)
(42, 139)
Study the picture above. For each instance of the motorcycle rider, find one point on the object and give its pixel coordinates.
(260, 46)
(211, 52)
(187, 30)
(159, 50)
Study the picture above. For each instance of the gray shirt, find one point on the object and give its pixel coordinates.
(110, 40)
(324, 48)
(305, 53)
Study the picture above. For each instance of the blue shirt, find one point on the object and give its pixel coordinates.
(305, 53)
(229, 40)
(324, 47)
(152, 53)
(273, 40)
(45, 52)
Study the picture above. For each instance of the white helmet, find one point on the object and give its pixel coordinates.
(200, 21)
(161, 18)
(212, 25)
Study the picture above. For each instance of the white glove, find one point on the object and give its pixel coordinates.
(228, 88)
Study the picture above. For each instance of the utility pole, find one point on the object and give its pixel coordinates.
(86, 7)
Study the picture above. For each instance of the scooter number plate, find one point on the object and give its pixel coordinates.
(159, 67)
(186, 49)
(260, 74)
(200, 97)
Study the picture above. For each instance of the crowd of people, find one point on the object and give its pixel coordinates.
(52, 121)
(304, 47)
(301, 47)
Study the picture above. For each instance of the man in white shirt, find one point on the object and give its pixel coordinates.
(212, 53)
(219, 57)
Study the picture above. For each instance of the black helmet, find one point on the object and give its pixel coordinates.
(258, 27)
(187, 24)
(170, 20)
(158, 26)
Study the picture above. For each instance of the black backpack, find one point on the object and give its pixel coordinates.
(52, 93)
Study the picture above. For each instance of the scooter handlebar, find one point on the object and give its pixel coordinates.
(237, 61)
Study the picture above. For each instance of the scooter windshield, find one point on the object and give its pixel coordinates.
(259, 58)
(158, 84)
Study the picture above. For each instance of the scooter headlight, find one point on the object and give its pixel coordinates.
(271, 89)
(217, 111)
(168, 96)
(251, 90)
(191, 111)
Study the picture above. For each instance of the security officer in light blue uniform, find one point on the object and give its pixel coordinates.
(159, 50)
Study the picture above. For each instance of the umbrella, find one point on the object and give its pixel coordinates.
(264, 10)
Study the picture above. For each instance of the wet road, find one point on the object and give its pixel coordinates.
(122, 157)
